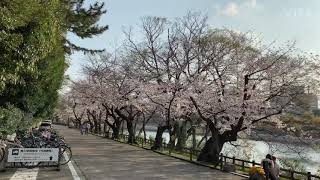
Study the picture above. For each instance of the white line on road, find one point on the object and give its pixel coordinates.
(71, 167)
(25, 174)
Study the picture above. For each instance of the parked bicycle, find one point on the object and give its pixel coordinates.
(6, 145)
(42, 138)
(37, 139)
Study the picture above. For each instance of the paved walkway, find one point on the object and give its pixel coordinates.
(99, 158)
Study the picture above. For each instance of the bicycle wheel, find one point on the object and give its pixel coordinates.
(65, 154)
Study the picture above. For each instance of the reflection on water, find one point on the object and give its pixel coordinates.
(256, 150)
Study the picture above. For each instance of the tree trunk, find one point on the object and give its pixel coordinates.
(122, 126)
(173, 135)
(182, 137)
(131, 139)
(68, 122)
(144, 132)
(100, 128)
(95, 126)
(158, 140)
(115, 133)
(205, 137)
(104, 127)
(211, 151)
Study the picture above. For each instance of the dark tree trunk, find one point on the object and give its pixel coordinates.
(95, 126)
(79, 123)
(211, 151)
(173, 135)
(122, 128)
(99, 125)
(158, 140)
(144, 132)
(129, 118)
(92, 124)
(115, 128)
(205, 137)
(68, 122)
(131, 138)
(77, 118)
(182, 137)
(115, 133)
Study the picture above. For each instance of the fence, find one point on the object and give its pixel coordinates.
(243, 165)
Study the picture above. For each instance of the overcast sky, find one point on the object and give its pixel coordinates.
(280, 20)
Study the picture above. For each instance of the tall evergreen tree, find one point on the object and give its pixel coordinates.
(33, 50)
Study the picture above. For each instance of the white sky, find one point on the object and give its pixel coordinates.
(280, 20)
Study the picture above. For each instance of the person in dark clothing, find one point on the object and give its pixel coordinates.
(267, 165)
(82, 128)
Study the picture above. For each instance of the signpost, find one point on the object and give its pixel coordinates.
(33, 155)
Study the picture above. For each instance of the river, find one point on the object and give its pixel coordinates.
(256, 150)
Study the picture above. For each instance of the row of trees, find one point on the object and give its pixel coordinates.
(33, 52)
(184, 72)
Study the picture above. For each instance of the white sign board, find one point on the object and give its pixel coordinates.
(33, 155)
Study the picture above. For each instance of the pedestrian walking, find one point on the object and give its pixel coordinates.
(82, 129)
(88, 127)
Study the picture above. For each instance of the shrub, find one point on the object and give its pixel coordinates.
(307, 116)
(315, 120)
(10, 119)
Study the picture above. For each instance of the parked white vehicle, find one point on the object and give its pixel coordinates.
(47, 121)
(45, 125)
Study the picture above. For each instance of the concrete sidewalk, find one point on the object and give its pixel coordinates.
(99, 158)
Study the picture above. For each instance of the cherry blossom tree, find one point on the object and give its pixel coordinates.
(76, 102)
(183, 69)
(115, 91)
(244, 83)
(164, 58)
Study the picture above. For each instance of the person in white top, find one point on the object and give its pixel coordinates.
(88, 127)
(276, 168)
(268, 167)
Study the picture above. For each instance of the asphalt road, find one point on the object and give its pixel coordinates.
(96, 158)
